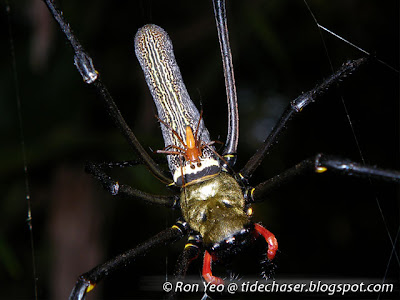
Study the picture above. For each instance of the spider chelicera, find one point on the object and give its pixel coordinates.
(226, 162)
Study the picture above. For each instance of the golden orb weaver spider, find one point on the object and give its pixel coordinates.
(242, 135)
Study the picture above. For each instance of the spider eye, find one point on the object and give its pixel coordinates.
(192, 166)
(203, 217)
(199, 164)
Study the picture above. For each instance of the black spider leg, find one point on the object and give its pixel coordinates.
(190, 252)
(88, 280)
(294, 107)
(126, 163)
(320, 163)
(115, 188)
(84, 64)
(232, 138)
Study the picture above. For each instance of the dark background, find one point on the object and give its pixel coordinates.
(327, 226)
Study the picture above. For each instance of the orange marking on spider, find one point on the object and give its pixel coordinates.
(192, 150)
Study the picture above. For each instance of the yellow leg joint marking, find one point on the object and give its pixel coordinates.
(90, 287)
(249, 211)
(240, 175)
(177, 228)
(229, 155)
(190, 245)
(252, 192)
(321, 169)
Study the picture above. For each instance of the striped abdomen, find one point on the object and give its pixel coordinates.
(154, 51)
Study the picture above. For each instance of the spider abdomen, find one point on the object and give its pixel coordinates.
(176, 110)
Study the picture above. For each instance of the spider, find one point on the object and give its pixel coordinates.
(227, 163)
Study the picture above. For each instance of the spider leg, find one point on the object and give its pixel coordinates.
(297, 106)
(125, 163)
(207, 273)
(118, 164)
(320, 163)
(189, 253)
(85, 66)
(115, 188)
(86, 282)
(165, 150)
(232, 138)
(269, 238)
(170, 128)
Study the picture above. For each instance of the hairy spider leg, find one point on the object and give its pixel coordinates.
(87, 281)
(86, 68)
